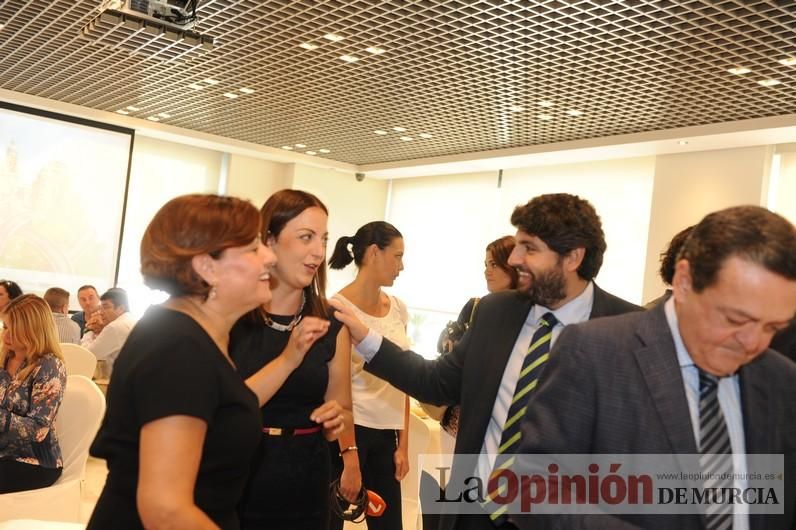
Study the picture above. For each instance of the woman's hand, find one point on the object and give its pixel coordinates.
(351, 479)
(330, 416)
(346, 315)
(303, 337)
(401, 460)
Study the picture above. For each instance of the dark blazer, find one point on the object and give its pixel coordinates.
(470, 375)
(785, 342)
(615, 386)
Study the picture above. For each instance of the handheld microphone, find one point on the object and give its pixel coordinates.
(376, 505)
(367, 503)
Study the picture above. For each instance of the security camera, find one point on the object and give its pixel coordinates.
(360, 176)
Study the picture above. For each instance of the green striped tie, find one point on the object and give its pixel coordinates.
(532, 365)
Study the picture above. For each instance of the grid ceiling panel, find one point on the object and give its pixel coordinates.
(452, 69)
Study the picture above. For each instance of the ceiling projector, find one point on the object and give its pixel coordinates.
(179, 13)
(160, 29)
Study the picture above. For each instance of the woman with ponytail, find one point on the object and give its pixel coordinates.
(381, 412)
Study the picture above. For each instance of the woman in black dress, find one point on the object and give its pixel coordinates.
(182, 426)
(289, 485)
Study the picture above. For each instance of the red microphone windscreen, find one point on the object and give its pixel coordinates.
(376, 504)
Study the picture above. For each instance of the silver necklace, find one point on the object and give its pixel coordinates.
(290, 325)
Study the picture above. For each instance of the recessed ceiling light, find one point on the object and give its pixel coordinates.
(211, 81)
(308, 46)
(516, 108)
(768, 82)
(247, 90)
(380, 132)
(131, 108)
(575, 113)
(545, 117)
(426, 135)
(311, 153)
(301, 146)
(544, 103)
(165, 115)
(349, 58)
(122, 111)
(399, 129)
(790, 61)
(287, 147)
(682, 142)
(195, 86)
(407, 138)
(230, 95)
(334, 37)
(739, 70)
(375, 50)
(153, 118)
(324, 151)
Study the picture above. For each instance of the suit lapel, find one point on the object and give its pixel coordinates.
(754, 407)
(598, 305)
(657, 360)
(493, 359)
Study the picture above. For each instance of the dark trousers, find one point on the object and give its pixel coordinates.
(376, 448)
(18, 476)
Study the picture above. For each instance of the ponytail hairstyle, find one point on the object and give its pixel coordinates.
(379, 233)
(277, 211)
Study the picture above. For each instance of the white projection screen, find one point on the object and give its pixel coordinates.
(63, 185)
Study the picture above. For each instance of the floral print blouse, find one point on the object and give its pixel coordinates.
(27, 413)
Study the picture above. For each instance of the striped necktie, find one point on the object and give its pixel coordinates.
(532, 365)
(715, 449)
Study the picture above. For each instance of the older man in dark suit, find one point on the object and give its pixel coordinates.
(559, 250)
(693, 375)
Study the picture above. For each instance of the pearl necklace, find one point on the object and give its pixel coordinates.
(292, 324)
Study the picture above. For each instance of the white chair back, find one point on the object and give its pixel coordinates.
(76, 425)
(78, 360)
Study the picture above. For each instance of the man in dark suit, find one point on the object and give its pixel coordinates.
(785, 342)
(688, 373)
(559, 250)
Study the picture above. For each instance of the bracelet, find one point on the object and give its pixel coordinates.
(349, 448)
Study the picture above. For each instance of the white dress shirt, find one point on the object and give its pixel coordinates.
(729, 393)
(109, 342)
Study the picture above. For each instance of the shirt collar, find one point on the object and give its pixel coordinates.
(683, 357)
(576, 310)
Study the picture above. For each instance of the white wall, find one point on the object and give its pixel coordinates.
(447, 222)
(350, 203)
(255, 179)
(782, 195)
(689, 186)
(160, 171)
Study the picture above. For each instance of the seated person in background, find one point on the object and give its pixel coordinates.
(8, 291)
(32, 381)
(89, 301)
(58, 300)
(115, 310)
(668, 259)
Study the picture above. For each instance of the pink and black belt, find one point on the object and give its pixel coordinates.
(290, 431)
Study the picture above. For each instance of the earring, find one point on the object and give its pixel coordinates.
(213, 293)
